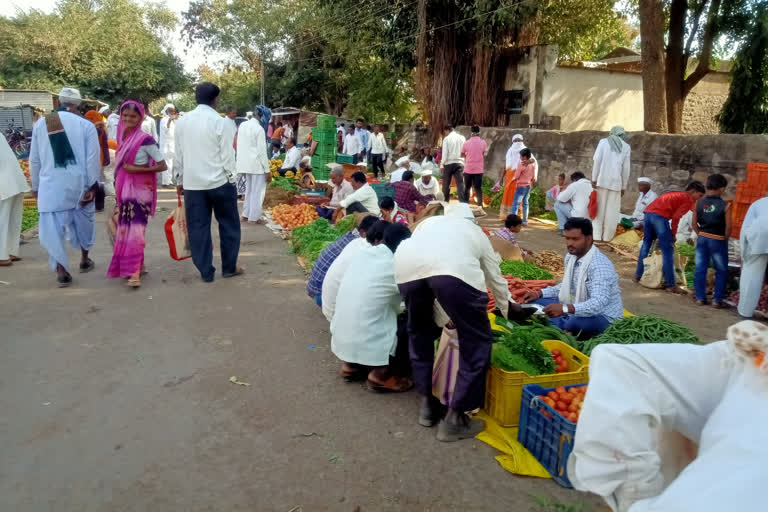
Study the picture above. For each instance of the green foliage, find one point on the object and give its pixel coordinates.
(29, 218)
(345, 225)
(746, 109)
(537, 201)
(109, 49)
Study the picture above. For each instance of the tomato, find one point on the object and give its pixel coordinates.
(572, 417)
(553, 395)
(556, 353)
(573, 408)
(561, 406)
(564, 366)
(558, 369)
(559, 360)
(549, 402)
(566, 397)
(560, 389)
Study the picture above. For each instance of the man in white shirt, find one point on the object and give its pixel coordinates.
(205, 167)
(253, 163)
(573, 201)
(13, 186)
(427, 186)
(339, 189)
(149, 125)
(459, 280)
(378, 150)
(353, 145)
(364, 135)
(754, 256)
(403, 164)
(610, 176)
(112, 120)
(292, 156)
(363, 199)
(646, 197)
(452, 164)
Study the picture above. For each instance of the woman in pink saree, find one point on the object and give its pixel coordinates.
(138, 161)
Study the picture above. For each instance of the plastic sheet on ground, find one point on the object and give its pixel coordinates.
(516, 458)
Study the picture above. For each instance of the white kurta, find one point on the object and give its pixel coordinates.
(168, 148)
(13, 185)
(366, 332)
(754, 256)
(149, 125)
(336, 273)
(643, 200)
(112, 121)
(610, 172)
(252, 162)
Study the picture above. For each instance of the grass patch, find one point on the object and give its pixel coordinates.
(546, 504)
(548, 215)
(29, 218)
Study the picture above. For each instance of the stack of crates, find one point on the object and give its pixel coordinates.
(747, 192)
(325, 152)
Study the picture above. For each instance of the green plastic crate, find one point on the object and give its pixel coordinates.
(326, 122)
(321, 173)
(324, 136)
(321, 163)
(345, 159)
(326, 151)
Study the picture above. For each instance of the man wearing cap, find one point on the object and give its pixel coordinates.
(339, 189)
(403, 164)
(428, 186)
(64, 166)
(458, 279)
(253, 163)
(610, 177)
(646, 197)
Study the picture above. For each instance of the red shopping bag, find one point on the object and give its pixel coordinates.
(592, 207)
(176, 233)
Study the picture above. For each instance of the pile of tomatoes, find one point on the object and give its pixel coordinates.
(566, 402)
(561, 365)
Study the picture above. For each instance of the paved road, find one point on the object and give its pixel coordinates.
(120, 400)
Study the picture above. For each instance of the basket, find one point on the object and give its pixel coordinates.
(504, 390)
(382, 190)
(345, 159)
(326, 122)
(548, 437)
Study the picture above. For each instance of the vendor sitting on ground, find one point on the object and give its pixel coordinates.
(403, 164)
(390, 212)
(406, 194)
(512, 225)
(292, 157)
(450, 259)
(365, 337)
(338, 269)
(589, 298)
(428, 186)
(574, 200)
(329, 255)
(275, 151)
(646, 197)
(339, 189)
(363, 199)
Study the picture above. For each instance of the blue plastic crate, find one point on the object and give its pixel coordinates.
(549, 439)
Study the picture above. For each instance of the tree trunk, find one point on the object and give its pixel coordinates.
(652, 42)
(676, 64)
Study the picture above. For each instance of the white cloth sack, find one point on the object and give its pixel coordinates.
(640, 397)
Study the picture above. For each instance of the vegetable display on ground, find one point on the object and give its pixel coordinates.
(284, 183)
(548, 260)
(308, 241)
(523, 270)
(29, 218)
(290, 217)
(519, 287)
(640, 329)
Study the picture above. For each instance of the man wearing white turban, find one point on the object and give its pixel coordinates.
(168, 141)
(610, 176)
(403, 164)
(646, 197)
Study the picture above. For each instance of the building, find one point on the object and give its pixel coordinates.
(541, 92)
(22, 107)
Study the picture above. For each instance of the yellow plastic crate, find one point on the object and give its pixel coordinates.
(30, 201)
(504, 390)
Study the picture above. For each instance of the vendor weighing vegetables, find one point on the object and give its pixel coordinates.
(450, 259)
(589, 298)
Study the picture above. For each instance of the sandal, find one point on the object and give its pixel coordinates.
(6, 263)
(238, 272)
(87, 266)
(133, 282)
(64, 280)
(14, 258)
(391, 385)
(353, 372)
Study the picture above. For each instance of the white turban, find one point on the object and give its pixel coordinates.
(426, 172)
(103, 109)
(166, 107)
(70, 96)
(645, 180)
(401, 161)
(517, 136)
(460, 210)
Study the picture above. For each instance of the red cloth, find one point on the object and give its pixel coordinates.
(592, 206)
(672, 206)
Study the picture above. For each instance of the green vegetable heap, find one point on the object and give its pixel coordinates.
(310, 240)
(640, 329)
(519, 347)
(523, 270)
(284, 183)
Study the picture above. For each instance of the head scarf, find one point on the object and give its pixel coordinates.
(164, 112)
(94, 117)
(616, 138)
(401, 161)
(517, 136)
(264, 114)
(128, 145)
(103, 109)
(460, 210)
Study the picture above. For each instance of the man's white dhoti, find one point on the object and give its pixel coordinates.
(76, 225)
(608, 214)
(11, 214)
(255, 190)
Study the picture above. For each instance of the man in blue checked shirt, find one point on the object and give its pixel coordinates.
(589, 298)
(329, 255)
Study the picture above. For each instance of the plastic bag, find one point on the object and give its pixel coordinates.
(653, 273)
(176, 233)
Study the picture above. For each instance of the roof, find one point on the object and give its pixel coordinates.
(618, 52)
(282, 111)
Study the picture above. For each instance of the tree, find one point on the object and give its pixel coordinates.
(693, 28)
(109, 49)
(746, 109)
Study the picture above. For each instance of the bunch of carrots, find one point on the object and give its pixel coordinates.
(519, 287)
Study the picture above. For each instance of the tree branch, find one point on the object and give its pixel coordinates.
(705, 55)
(696, 20)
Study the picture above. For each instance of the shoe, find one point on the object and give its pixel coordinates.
(87, 266)
(701, 303)
(238, 272)
(391, 385)
(467, 429)
(6, 263)
(674, 289)
(719, 305)
(64, 280)
(431, 416)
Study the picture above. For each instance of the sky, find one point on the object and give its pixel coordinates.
(192, 57)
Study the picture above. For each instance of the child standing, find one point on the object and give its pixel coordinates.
(712, 222)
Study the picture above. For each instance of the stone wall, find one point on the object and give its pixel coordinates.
(670, 160)
(699, 112)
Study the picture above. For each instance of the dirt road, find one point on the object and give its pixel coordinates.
(120, 400)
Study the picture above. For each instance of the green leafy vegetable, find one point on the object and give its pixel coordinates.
(503, 357)
(318, 230)
(284, 183)
(523, 270)
(641, 329)
(522, 347)
(29, 218)
(345, 225)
